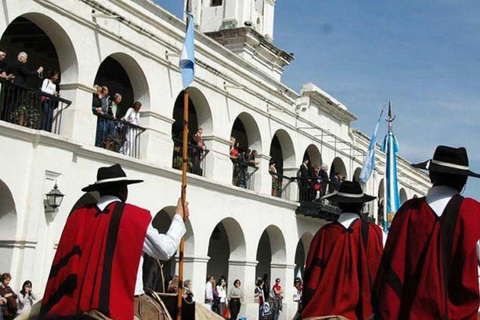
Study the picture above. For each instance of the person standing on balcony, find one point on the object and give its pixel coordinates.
(343, 260)
(112, 114)
(20, 71)
(132, 117)
(98, 262)
(198, 151)
(3, 66)
(3, 75)
(324, 179)
(48, 104)
(304, 182)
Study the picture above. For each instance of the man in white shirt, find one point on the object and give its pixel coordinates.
(98, 263)
(209, 291)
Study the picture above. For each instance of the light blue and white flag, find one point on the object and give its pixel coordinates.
(187, 58)
(369, 162)
(390, 147)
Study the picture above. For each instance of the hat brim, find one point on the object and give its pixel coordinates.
(98, 185)
(439, 168)
(335, 197)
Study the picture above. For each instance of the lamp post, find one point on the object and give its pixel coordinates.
(54, 197)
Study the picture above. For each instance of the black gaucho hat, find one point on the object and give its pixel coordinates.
(448, 160)
(349, 192)
(110, 175)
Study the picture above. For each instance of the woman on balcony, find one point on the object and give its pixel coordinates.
(48, 104)
(132, 117)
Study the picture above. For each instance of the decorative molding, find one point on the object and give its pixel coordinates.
(242, 263)
(282, 266)
(20, 244)
(75, 86)
(196, 259)
(155, 115)
(216, 139)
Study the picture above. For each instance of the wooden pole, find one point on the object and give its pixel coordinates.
(184, 200)
(184, 187)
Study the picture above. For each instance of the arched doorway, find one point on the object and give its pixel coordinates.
(152, 276)
(226, 244)
(199, 117)
(46, 45)
(403, 196)
(282, 154)
(271, 255)
(356, 176)
(245, 136)
(8, 226)
(115, 76)
(338, 173)
(313, 155)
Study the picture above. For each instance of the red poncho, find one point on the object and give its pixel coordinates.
(340, 270)
(96, 263)
(429, 267)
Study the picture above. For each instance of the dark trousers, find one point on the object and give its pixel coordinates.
(235, 305)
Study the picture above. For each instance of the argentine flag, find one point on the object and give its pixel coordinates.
(369, 162)
(187, 58)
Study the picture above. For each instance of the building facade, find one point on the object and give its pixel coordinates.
(133, 46)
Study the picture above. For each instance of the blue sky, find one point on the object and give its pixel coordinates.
(423, 55)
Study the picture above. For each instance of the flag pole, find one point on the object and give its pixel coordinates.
(183, 190)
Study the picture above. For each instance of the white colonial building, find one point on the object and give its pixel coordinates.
(133, 47)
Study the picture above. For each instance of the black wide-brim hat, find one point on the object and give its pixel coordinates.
(448, 160)
(349, 192)
(108, 176)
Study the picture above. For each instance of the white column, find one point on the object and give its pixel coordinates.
(269, 12)
(263, 179)
(292, 189)
(195, 269)
(77, 121)
(156, 144)
(286, 274)
(218, 165)
(245, 272)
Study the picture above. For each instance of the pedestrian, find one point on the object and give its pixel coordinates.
(209, 292)
(277, 299)
(235, 299)
(98, 262)
(222, 295)
(26, 297)
(343, 260)
(9, 296)
(430, 265)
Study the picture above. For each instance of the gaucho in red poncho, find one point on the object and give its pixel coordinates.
(429, 267)
(97, 259)
(343, 260)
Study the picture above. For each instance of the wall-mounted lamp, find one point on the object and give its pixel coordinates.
(54, 197)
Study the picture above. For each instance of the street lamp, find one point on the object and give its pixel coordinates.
(54, 197)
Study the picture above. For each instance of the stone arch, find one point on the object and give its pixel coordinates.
(8, 225)
(338, 166)
(151, 271)
(226, 244)
(301, 253)
(271, 250)
(200, 113)
(122, 74)
(63, 46)
(403, 196)
(250, 138)
(313, 155)
(356, 175)
(287, 148)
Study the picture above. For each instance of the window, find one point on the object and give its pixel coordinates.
(216, 3)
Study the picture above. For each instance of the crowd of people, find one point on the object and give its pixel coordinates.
(113, 129)
(11, 303)
(314, 182)
(242, 159)
(14, 97)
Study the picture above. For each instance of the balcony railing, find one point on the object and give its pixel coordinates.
(244, 173)
(118, 136)
(30, 107)
(196, 157)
